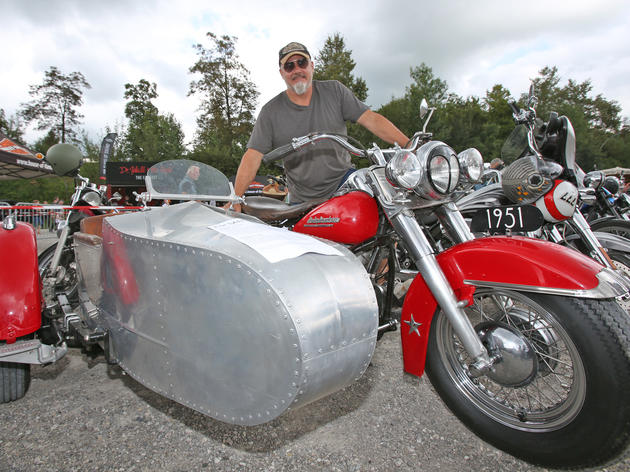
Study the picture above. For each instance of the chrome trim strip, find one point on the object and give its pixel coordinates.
(610, 285)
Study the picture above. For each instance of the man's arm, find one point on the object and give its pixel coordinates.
(382, 127)
(247, 169)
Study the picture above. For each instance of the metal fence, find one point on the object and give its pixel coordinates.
(42, 217)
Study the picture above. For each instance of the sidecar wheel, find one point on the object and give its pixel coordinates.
(14, 381)
(558, 397)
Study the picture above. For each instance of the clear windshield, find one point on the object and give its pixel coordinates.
(187, 180)
(515, 145)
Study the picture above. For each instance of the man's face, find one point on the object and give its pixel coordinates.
(194, 172)
(299, 79)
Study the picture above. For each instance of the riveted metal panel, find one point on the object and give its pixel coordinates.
(206, 320)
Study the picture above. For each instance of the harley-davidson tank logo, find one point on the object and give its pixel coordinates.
(321, 221)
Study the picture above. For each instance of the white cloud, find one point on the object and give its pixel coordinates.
(471, 45)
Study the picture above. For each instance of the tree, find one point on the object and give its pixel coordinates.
(404, 112)
(228, 103)
(335, 62)
(55, 103)
(11, 127)
(150, 136)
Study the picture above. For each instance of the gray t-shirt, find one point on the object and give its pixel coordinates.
(313, 171)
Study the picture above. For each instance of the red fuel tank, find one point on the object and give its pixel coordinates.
(348, 219)
(20, 291)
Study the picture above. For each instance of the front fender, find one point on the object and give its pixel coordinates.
(20, 291)
(524, 264)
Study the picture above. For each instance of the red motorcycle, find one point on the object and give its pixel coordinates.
(523, 339)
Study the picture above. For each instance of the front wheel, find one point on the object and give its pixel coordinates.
(69, 282)
(558, 395)
(14, 381)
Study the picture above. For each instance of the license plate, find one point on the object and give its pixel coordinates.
(503, 219)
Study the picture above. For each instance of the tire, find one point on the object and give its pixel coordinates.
(14, 381)
(613, 226)
(569, 408)
(70, 282)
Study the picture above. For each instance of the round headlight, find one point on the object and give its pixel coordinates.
(91, 198)
(443, 168)
(471, 165)
(404, 170)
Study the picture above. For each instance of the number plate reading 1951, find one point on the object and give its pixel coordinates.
(515, 219)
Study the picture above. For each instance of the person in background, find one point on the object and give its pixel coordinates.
(307, 106)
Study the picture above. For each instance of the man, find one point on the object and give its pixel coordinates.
(309, 106)
(187, 185)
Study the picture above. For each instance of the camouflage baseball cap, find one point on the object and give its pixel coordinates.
(291, 49)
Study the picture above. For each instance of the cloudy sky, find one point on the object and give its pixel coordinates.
(470, 44)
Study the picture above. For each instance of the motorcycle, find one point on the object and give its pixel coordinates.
(36, 305)
(503, 323)
(241, 320)
(605, 199)
(544, 173)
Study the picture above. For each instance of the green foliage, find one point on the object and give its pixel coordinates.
(42, 189)
(11, 127)
(335, 62)
(228, 103)
(150, 136)
(45, 142)
(55, 101)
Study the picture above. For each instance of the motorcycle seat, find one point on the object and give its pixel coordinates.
(270, 209)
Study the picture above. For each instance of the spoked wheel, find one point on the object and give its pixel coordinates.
(14, 381)
(557, 395)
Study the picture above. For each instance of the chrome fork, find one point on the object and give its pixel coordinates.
(422, 253)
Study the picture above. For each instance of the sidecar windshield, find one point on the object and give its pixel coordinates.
(187, 180)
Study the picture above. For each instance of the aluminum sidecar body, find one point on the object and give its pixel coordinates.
(224, 314)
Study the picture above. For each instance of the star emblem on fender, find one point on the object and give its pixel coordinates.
(413, 326)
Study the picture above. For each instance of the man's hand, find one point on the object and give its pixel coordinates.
(233, 206)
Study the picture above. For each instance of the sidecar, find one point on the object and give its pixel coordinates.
(218, 311)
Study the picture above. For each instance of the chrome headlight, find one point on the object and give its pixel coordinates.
(404, 170)
(91, 198)
(471, 166)
(594, 179)
(442, 168)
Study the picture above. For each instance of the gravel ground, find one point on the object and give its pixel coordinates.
(83, 415)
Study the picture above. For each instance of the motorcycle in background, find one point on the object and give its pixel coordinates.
(544, 173)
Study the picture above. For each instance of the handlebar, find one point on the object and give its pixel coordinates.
(298, 143)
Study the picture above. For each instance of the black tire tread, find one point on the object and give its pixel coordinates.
(600, 321)
(14, 381)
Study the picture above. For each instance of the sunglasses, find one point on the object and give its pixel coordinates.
(302, 64)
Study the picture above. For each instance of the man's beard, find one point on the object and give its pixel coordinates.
(300, 88)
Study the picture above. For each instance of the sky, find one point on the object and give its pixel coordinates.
(472, 45)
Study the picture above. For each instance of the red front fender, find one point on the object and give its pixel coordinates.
(20, 291)
(501, 259)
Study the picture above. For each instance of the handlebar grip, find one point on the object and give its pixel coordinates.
(278, 153)
(514, 106)
(554, 123)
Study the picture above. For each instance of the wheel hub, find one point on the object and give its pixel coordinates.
(517, 364)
